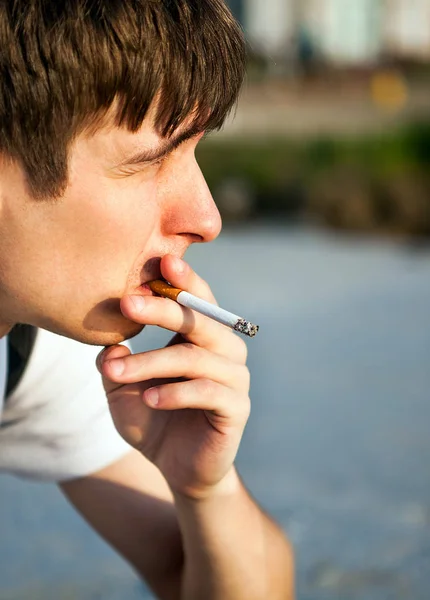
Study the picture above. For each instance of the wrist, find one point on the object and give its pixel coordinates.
(228, 486)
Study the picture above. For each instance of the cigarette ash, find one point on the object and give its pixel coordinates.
(246, 328)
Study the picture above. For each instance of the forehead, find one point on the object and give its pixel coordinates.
(115, 142)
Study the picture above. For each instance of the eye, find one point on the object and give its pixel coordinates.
(151, 168)
(159, 162)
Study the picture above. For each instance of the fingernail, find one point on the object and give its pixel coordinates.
(138, 303)
(152, 396)
(117, 367)
(100, 358)
(179, 265)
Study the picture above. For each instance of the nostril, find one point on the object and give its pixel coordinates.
(193, 238)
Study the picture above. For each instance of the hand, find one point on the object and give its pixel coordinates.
(184, 406)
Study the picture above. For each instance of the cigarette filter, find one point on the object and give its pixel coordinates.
(162, 288)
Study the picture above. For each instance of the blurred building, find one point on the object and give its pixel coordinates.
(270, 25)
(348, 32)
(406, 29)
(344, 32)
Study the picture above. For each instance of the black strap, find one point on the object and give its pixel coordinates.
(20, 345)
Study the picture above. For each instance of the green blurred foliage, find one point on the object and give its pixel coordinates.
(383, 180)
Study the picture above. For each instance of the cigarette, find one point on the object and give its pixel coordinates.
(162, 288)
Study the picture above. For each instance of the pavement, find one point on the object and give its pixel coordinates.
(337, 448)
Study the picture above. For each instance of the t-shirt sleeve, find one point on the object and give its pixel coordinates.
(57, 425)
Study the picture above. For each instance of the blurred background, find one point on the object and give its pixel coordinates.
(323, 182)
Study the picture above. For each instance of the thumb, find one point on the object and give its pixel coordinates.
(108, 354)
(130, 415)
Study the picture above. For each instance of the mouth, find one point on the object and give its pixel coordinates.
(150, 271)
(147, 272)
(145, 290)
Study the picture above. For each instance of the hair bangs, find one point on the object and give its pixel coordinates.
(66, 66)
(196, 72)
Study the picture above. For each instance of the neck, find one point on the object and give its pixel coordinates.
(4, 329)
(7, 322)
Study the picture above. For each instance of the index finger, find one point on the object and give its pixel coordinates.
(194, 327)
(180, 275)
(209, 333)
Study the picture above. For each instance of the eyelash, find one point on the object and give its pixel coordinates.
(157, 163)
(128, 172)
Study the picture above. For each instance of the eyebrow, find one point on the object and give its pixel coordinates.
(153, 154)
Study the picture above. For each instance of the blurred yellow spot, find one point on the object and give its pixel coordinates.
(389, 90)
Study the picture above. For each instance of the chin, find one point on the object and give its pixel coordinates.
(111, 338)
(105, 325)
(105, 333)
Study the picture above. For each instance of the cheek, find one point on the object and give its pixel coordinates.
(90, 240)
(110, 215)
(112, 231)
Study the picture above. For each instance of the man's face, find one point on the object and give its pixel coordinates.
(65, 264)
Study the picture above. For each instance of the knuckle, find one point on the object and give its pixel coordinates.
(207, 387)
(235, 348)
(194, 355)
(247, 409)
(203, 288)
(188, 349)
(241, 350)
(246, 376)
(206, 289)
(242, 409)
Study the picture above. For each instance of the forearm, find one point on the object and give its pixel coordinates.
(189, 426)
(232, 549)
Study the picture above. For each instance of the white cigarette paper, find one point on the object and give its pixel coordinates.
(205, 308)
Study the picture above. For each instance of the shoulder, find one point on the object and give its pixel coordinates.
(55, 367)
(56, 424)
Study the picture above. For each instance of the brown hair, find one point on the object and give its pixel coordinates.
(65, 63)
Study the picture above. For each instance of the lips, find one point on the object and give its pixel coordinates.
(150, 271)
(145, 290)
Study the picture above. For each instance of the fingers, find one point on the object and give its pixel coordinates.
(202, 394)
(181, 361)
(111, 353)
(182, 276)
(196, 328)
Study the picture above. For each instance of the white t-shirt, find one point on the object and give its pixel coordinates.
(56, 424)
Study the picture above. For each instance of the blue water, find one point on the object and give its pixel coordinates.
(338, 444)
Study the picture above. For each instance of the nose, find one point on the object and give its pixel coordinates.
(188, 209)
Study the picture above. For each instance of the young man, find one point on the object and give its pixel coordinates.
(102, 104)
